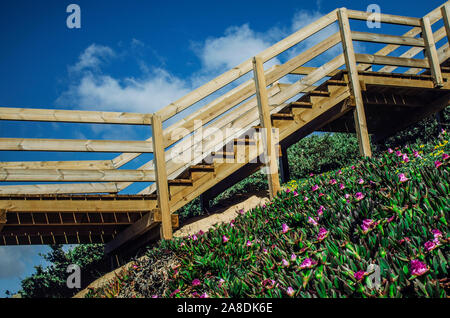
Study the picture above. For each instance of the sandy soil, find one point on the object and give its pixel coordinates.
(223, 214)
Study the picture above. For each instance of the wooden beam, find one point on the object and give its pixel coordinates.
(350, 60)
(161, 178)
(82, 164)
(384, 18)
(265, 120)
(431, 53)
(75, 145)
(387, 39)
(446, 17)
(391, 60)
(65, 205)
(72, 175)
(109, 187)
(306, 70)
(73, 116)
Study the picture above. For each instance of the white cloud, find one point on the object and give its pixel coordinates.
(92, 57)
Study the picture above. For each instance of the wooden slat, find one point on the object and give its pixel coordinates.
(264, 118)
(446, 17)
(306, 70)
(75, 145)
(74, 116)
(387, 39)
(350, 61)
(72, 175)
(66, 206)
(60, 188)
(82, 164)
(431, 53)
(391, 60)
(161, 178)
(384, 18)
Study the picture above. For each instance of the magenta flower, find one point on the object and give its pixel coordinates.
(290, 291)
(288, 190)
(398, 153)
(311, 174)
(321, 194)
(312, 221)
(323, 233)
(347, 196)
(445, 156)
(221, 281)
(154, 296)
(307, 263)
(359, 196)
(437, 164)
(204, 295)
(430, 245)
(353, 167)
(339, 172)
(194, 237)
(436, 233)
(368, 224)
(416, 154)
(391, 219)
(196, 282)
(314, 188)
(360, 181)
(249, 243)
(333, 181)
(285, 228)
(293, 257)
(320, 210)
(224, 239)
(268, 283)
(265, 251)
(305, 199)
(295, 193)
(359, 275)
(418, 268)
(341, 186)
(285, 262)
(405, 158)
(390, 150)
(402, 177)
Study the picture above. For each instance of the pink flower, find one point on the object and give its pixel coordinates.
(405, 158)
(224, 239)
(241, 211)
(204, 295)
(368, 224)
(347, 196)
(359, 196)
(321, 194)
(436, 233)
(288, 190)
(249, 243)
(359, 275)
(445, 156)
(293, 257)
(314, 188)
(341, 186)
(312, 221)
(154, 296)
(268, 283)
(307, 263)
(221, 281)
(196, 282)
(405, 239)
(320, 210)
(353, 167)
(416, 154)
(390, 150)
(305, 199)
(402, 177)
(194, 237)
(285, 262)
(391, 219)
(398, 153)
(290, 291)
(265, 251)
(311, 174)
(360, 181)
(437, 164)
(430, 245)
(176, 291)
(285, 228)
(323, 233)
(333, 181)
(339, 172)
(295, 193)
(418, 268)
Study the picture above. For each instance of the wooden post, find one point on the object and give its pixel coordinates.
(161, 177)
(2, 219)
(350, 61)
(446, 17)
(431, 53)
(264, 116)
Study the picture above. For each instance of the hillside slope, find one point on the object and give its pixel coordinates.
(318, 238)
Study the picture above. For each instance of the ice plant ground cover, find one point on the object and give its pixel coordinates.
(397, 218)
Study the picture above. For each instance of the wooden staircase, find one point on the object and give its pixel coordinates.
(343, 94)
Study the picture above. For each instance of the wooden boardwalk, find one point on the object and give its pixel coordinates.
(257, 120)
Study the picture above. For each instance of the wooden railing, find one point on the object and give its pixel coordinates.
(242, 106)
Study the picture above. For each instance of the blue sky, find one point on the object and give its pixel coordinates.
(135, 56)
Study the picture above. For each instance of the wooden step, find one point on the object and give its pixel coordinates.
(301, 104)
(336, 83)
(282, 116)
(180, 182)
(202, 167)
(319, 94)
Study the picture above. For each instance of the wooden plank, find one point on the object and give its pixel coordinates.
(161, 178)
(265, 120)
(391, 60)
(387, 39)
(75, 145)
(82, 164)
(384, 18)
(446, 17)
(73, 116)
(350, 60)
(431, 53)
(66, 206)
(60, 188)
(306, 70)
(72, 175)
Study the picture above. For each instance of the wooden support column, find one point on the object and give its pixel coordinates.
(431, 53)
(355, 86)
(284, 165)
(271, 156)
(446, 17)
(162, 185)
